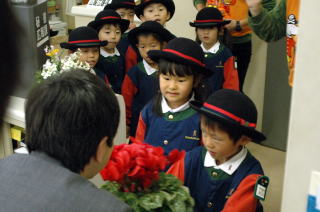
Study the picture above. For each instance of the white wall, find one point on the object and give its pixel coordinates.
(303, 154)
(179, 24)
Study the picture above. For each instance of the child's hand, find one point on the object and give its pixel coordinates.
(199, 6)
(231, 26)
(255, 6)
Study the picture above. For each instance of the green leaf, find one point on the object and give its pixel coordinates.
(111, 186)
(151, 201)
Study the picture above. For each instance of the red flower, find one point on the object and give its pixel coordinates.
(135, 166)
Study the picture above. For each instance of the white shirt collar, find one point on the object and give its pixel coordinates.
(165, 107)
(213, 49)
(106, 54)
(148, 68)
(230, 165)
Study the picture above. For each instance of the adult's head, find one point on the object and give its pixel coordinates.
(9, 58)
(73, 117)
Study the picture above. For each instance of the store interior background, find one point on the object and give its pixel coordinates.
(292, 149)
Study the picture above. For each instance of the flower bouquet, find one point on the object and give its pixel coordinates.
(134, 174)
(57, 64)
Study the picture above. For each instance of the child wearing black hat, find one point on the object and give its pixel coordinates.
(168, 121)
(110, 27)
(222, 175)
(87, 41)
(140, 83)
(125, 8)
(209, 22)
(149, 10)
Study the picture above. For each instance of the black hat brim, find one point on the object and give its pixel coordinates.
(124, 24)
(163, 33)
(252, 133)
(82, 45)
(209, 24)
(155, 55)
(168, 3)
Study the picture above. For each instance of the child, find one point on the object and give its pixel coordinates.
(125, 8)
(140, 83)
(168, 121)
(218, 57)
(85, 39)
(149, 10)
(223, 175)
(110, 26)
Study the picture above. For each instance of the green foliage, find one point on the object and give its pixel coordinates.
(166, 195)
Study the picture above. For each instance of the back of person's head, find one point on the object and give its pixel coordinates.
(68, 115)
(9, 59)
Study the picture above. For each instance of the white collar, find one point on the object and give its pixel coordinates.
(213, 49)
(230, 165)
(148, 68)
(107, 54)
(165, 107)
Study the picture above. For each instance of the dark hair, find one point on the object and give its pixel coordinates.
(154, 35)
(234, 133)
(67, 115)
(10, 34)
(113, 24)
(175, 69)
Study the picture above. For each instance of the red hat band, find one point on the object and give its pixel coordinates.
(109, 17)
(229, 115)
(184, 56)
(85, 41)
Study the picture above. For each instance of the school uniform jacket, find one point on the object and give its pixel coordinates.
(132, 57)
(213, 189)
(222, 64)
(113, 69)
(138, 88)
(180, 130)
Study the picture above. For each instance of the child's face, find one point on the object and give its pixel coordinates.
(90, 55)
(208, 36)
(112, 34)
(155, 12)
(127, 14)
(219, 144)
(176, 89)
(145, 44)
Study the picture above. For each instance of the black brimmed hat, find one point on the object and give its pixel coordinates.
(116, 4)
(141, 4)
(83, 37)
(231, 108)
(208, 17)
(184, 51)
(109, 17)
(150, 27)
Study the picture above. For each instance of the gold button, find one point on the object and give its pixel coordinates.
(210, 204)
(165, 142)
(170, 116)
(214, 174)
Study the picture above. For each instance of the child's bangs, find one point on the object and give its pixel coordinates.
(168, 67)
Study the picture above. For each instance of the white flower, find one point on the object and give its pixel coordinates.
(56, 65)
